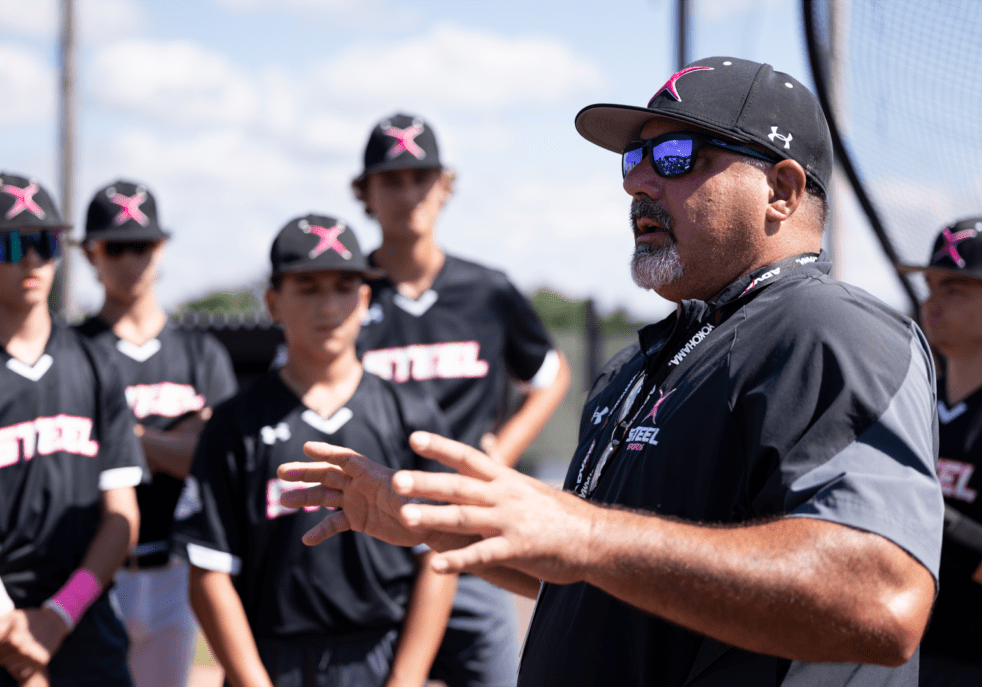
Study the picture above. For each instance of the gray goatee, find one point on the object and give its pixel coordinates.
(653, 267)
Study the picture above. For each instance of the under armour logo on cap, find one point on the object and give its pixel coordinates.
(787, 139)
(25, 200)
(130, 206)
(670, 84)
(328, 238)
(951, 241)
(405, 140)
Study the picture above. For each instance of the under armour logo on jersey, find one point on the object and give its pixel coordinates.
(670, 84)
(270, 435)
(129, 206)
(328, 238)
(405, 140)
(598, 415)
(787, 139)
(951, 242)
(25, 200)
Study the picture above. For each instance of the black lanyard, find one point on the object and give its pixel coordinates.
(686, 337)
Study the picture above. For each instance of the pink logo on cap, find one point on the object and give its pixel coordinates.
(25, 200)
(405, 141)
(670, 84)
(951, 242)
(130, 207)
(328, 239)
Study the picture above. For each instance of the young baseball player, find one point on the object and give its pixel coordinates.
(354, 612)
(951, 652)
(69, 461)
(173, 378)
(457, 331)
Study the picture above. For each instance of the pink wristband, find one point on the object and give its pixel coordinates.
(76, 596)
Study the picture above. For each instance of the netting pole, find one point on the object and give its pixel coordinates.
(62, 302)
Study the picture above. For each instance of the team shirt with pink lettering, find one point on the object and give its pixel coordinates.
(955, 629)
(458, 343)
(66, 435)
(349, 584)
(171, 376)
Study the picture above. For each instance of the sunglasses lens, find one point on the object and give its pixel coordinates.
(14, 245)
(630, 159)
(673, 158)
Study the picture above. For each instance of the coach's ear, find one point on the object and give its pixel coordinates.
(272, 304)
(88, 247)
(786, 181)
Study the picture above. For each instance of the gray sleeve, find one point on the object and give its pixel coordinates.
(885, 481)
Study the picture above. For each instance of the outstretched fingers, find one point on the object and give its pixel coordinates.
(312, 496)
(328, 453)
(463, 458)
(442, 486)
(487, 553)
(314, 473)
(454, 519)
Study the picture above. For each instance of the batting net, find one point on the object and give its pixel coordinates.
(901, 84)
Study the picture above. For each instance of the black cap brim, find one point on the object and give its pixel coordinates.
(128, 234)
(913, 269)
(614, 126)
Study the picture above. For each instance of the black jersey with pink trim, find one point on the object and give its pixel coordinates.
(788, 395)
(66, 435)
(351, 583)
(175, 374)
(457, 343)
(955, 629)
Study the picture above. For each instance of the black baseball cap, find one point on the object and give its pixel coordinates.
(742, 100)
(123, 211)
(401, 141)
(958, 250)
(317, 242)
(25, 204)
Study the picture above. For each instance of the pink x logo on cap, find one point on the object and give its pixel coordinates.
(25, 200)
(405, 141)
(670, 84)
(951, 242)
(130, 208)
(328, 239)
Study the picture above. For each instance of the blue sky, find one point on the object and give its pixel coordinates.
(242, 114)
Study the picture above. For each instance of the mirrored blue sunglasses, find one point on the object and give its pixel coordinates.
(674, 154)
(14, 245)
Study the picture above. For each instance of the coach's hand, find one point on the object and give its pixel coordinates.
(21, 653)
(521, 523)
(361, 488)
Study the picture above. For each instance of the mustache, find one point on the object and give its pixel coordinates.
(645, 208)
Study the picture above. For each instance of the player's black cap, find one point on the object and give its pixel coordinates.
(958, 249)
(123, 211)
(742, 100)
(400, 142)
(25, 204)
(317, 242)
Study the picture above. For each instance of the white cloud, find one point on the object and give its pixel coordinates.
(462, 69)
(176, 81)
(29, 17)
(27, 86)
(95, 19)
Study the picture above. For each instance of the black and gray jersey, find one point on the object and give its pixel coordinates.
(349, 585)
(458, 343)
(171, 376)
(66, 435)
(788, 395)
(955, 629)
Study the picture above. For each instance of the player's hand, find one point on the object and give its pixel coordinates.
(21, 654)
(977, 575)
(360, 487)
(522, 523)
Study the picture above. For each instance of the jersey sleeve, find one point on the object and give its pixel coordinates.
(529, 351)
(211, 534)
(217, 373)
(120, 455)
(840, 424)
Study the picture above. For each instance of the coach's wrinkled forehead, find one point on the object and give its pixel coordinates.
(743, 100)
